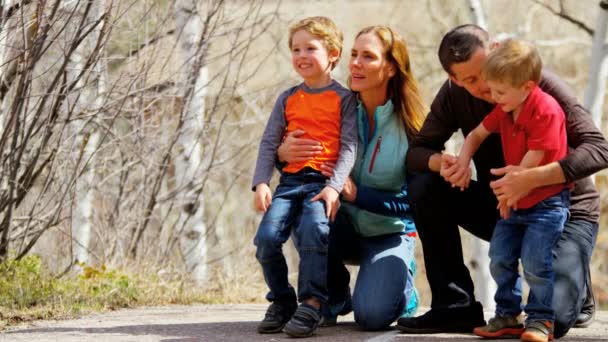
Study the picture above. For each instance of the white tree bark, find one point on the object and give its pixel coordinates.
(87, 139)
(188, 163)
(480, 261)
(598, 67)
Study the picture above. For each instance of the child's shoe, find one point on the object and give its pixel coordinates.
(538, 331)
(501, 327)
(277, 315)
(330, 312)
(304, 321)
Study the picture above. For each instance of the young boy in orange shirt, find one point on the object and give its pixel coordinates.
(304, 198)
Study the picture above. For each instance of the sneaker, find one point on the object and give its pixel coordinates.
(304, 321)
(538, 331)
(463, 319)
(332, 311)
(585, 317)
(277, 315)
(501, 327)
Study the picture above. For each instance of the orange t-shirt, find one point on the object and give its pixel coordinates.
(319, 116)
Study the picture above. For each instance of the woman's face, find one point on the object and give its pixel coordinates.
(370, 71)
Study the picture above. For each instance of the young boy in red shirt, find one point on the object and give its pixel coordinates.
(532, 129)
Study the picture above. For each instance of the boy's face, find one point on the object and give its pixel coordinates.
(310, 58)
(508, 97)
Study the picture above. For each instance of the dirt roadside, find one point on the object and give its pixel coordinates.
(224, 323)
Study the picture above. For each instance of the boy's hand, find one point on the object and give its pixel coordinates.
(262, 198)
(504, 209)
(332, 202)
(456, 171)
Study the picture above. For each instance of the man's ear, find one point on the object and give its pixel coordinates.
(453, 79)
(494, 44)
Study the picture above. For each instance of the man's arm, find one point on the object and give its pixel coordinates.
(425, 148)
(588, 147)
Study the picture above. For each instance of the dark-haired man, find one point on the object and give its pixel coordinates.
(462, 103)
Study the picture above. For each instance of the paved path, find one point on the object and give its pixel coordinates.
(224, 323)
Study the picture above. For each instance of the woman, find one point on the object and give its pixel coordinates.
(374, 228)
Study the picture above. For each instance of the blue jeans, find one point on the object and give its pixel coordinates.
(571, 258)
(529, 234)
(291, 207)
(385, 281)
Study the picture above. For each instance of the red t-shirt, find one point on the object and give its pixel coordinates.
(540, 126)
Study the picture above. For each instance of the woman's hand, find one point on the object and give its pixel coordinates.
(332, 202)
(349, 191)
(513, 186)
(295, 149)
(262, 198)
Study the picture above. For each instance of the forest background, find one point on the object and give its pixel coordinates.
(129, 131)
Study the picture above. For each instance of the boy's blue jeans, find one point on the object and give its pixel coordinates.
(529, 234)
(291, 207)
(385, 282)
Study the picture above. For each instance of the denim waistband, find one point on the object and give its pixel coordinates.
(304, 176)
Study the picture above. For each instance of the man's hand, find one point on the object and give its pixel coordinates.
(454, 171)
(262, 198)
(332, 203)
(513, 186)
(504, 209)
(295, 149)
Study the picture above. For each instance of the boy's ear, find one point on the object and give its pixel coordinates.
(333, 55)
(529, 85)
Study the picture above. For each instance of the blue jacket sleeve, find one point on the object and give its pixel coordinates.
(383, 203)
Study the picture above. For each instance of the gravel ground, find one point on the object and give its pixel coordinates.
(224, 323)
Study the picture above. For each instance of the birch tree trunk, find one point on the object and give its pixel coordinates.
(188, 164)
(480, 261)
(598, 67)
(90, 100)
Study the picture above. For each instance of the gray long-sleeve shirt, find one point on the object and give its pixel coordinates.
(327, 115)
(455, 108)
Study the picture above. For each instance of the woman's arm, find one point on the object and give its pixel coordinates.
(383, 203)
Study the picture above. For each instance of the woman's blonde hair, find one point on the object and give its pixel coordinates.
(402, 87)
(324, 29)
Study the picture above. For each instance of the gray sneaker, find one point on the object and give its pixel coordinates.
(538, 331)
(501, 327)
(304, 321)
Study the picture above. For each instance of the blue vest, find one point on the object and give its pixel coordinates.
(380, 164)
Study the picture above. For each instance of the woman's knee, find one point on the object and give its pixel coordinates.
(374, 318)
(377, 313)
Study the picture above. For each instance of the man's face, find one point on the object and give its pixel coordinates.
(468, 75)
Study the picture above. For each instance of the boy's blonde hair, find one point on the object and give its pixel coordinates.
(513, 62)
(324, 29)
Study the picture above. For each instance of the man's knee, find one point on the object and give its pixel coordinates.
(424, 187)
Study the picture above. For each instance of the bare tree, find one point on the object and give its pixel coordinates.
(598, 67)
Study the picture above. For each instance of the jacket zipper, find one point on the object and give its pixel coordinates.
(376, 149)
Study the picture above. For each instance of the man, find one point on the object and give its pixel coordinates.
(462, 103)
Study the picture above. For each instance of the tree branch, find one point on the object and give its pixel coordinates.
(562, 14)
